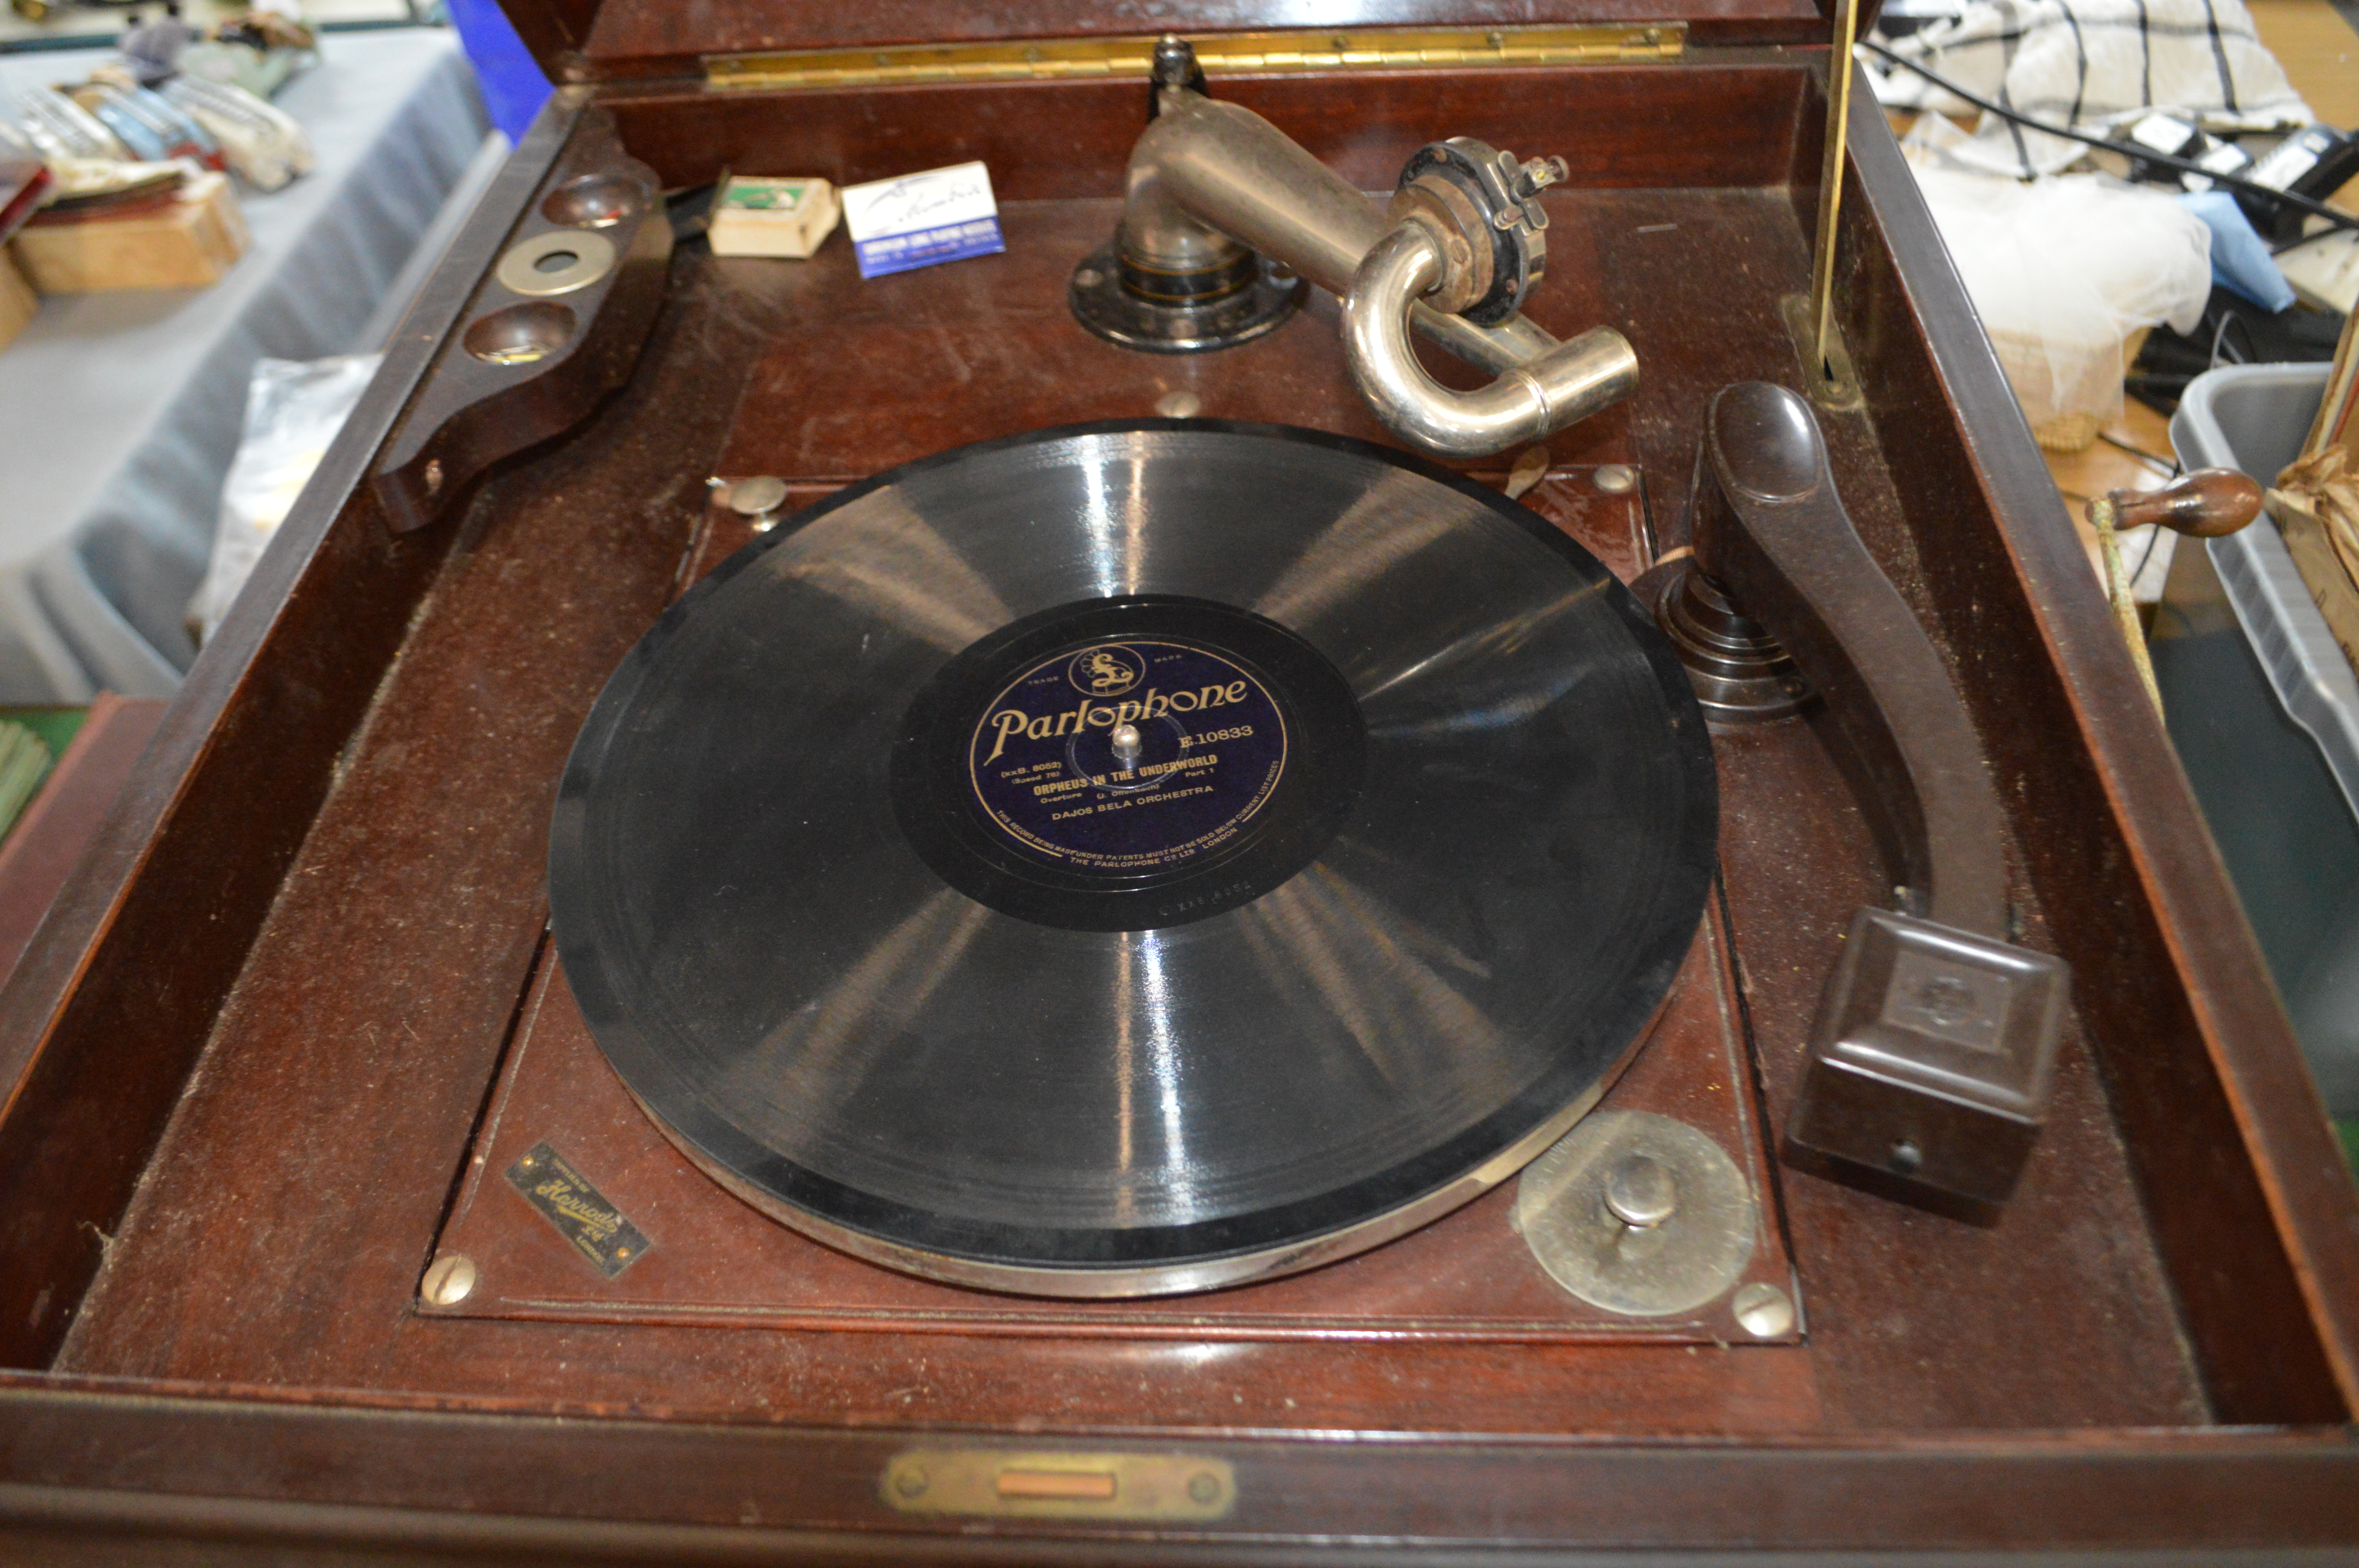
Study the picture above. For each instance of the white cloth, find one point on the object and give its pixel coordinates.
(2093, 65)
(2062, 271)
(293, 410)
(120, 412)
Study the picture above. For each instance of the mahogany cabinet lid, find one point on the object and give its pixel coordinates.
(603, 38)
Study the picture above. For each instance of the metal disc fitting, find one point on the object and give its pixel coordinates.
(1637, 1214)
(1100, 301)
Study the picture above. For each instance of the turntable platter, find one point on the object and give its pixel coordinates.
(1133, 859)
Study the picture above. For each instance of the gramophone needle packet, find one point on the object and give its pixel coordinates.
(758, 216)
(918, 220)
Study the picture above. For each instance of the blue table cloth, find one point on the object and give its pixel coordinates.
(119, 412)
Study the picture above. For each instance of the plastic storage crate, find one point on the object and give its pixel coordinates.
(2264, 710)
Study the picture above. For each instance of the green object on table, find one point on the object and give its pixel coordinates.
(57, 726)
(25, 762)
(2349, 1132)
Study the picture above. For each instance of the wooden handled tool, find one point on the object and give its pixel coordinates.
(2204, 504)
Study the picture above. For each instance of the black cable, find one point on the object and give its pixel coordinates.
(2341, 220)
(2151, 541)
(2219, 339)
(2160, 463)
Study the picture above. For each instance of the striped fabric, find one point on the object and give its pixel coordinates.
(2094, 64)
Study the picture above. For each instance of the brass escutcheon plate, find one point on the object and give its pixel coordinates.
(1057, 1484)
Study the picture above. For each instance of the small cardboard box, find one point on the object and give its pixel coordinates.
(188, 245)
(754, 216)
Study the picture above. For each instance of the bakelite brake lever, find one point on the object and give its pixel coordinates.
(1935, 1042)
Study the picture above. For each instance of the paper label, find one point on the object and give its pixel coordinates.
(1205, 747)
(779, 197)
(918, 220)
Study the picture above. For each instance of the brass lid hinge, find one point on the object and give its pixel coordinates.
(1221, 54)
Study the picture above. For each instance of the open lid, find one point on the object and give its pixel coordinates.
(591, 40)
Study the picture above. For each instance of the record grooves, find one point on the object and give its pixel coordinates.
(1134, 858)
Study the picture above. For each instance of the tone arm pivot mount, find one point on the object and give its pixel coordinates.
(1933, 1055)
(1226, 218)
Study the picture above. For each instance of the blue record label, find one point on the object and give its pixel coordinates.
(1127, 757)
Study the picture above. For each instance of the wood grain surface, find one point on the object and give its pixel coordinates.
(427, 857)
(247, 1063)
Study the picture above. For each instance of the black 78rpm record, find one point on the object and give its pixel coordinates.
(1134, 858)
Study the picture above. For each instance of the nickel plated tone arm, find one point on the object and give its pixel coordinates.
(1213, 187)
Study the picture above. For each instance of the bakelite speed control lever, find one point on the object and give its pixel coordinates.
(1935, 1042)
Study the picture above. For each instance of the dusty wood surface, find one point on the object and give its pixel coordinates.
(364, 1075)
(353, 797)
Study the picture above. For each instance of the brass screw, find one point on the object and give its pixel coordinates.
(910, 1482)
(450, 1279)
(1204, 1486)
(1763, 1310)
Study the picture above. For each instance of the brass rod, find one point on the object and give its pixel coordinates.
(1830, 173)
(2117, 588)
